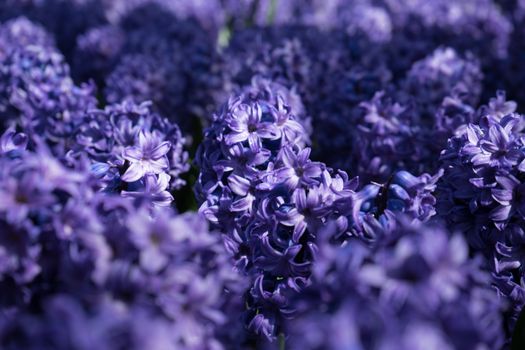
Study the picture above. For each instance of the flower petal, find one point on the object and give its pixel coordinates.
(161, 150)
(134, 173)
(133, 154)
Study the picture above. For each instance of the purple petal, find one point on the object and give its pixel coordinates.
(161, 150)
(508, 182)
(498, 135)
(238, 184)
(254, 142)
(242, 204)
(234, 138)
(312, 169)
(502, 196)
(288, 157)
(298, 231)
(299, 197)
(268, 131)
(134, 173)
(500, 213)
(133, 153)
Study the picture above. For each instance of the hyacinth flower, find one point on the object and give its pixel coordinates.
(416, 283)
(395, 126)
(37, 191)
(431, 79)
(62, 239)
(259, 187)
(21, 31)
(133, 151)
(165, 58)
(404, 192)
(63, 322)
(481, 192)
(96, 53)
(73, 22)
(37, 91)
(149, 157)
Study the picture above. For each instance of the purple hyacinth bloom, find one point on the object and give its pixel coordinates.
(96, 53)
(37, 91)
(417, 285)
(165, 59)
(269, 199)
(297, 169)
(430, 80)
(155, 241)
(133, 151)
(246, 125)
(155, 190)
(19, 32)
(148, 157)
(481, 191)
(11, 141)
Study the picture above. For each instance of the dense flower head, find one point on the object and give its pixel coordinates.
(96, 52)
(37, 191)
(245, 137)
(19, 32)
(483, 165)
(283, 54)
(482, 189)
(72, 14)
(133, 150)
(258, 185)
(104, 253)
(416, 282)
(430, 80)
(113, 111)
(167, 60)
(37, 91)
(402, 125)
(425, 25)
(386, 139)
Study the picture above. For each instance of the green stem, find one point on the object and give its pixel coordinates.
(282, 342)
(271, 12)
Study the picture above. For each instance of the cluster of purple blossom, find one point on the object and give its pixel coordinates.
(321, 174)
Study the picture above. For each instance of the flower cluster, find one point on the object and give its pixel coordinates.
(99, 262)
(36, 90)
(242, 174)
(152, 55)
(430, 80)
(411, 289)
(393, 127)
(133, 151)
(65, 19)
(482, 191)
(259, 187)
